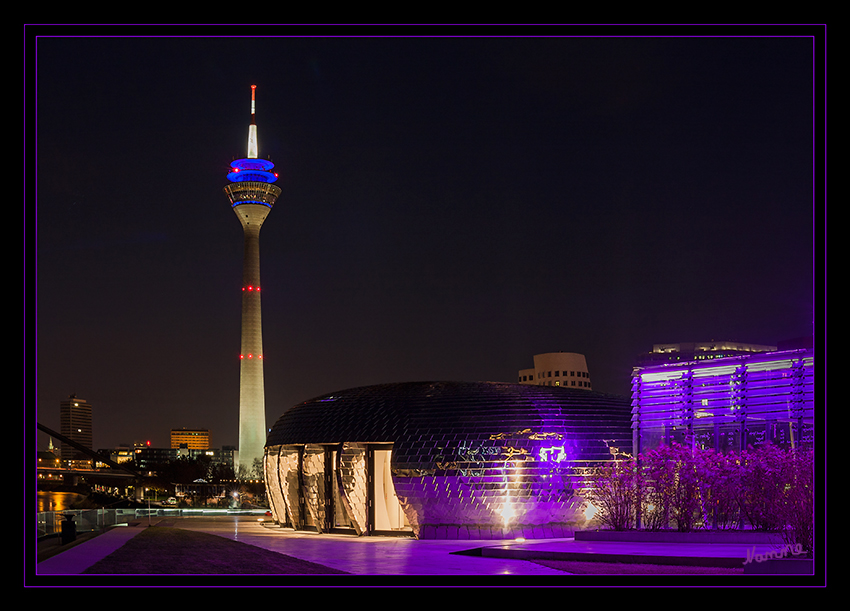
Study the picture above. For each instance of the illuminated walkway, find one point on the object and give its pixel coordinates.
(367, 555)
(405, 556)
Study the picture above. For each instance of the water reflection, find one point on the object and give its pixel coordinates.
(57, 501)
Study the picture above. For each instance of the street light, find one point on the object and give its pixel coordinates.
(149, 503)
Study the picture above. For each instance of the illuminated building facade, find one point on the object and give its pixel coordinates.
(698, 351)
(192, 439)
(120, 454)
(252, 194)
(152, 458)
(557, 369)
(447, 460)
(75, 423)
(726, 403)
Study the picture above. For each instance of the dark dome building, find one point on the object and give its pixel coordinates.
(471, 460)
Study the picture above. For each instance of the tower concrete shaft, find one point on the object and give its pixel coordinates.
(252, 402)
(252, 196)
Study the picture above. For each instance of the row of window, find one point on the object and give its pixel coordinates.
(548, 374)
(580, 383)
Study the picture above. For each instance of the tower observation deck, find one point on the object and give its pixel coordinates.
(252, 194)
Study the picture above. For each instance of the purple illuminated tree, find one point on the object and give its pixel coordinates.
(719, 487)
(770, 488)
(796, 510)
(762, 478)
(615, 492)
(673, 481)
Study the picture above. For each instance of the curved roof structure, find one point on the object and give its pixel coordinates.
(486, 458)
(408, 414)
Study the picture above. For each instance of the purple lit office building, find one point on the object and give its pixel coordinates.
(724, 396)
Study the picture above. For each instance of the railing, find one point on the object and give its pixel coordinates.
(86, 520)
(252, 192)
(91, 520)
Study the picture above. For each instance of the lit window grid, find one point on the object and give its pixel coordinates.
(750, 390)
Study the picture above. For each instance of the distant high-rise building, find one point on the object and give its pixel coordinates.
(682, 352)
(566, 369)
(252, 195)
(193, 439)
(75, 423)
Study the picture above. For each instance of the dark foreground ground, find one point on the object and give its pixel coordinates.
(620, 568)
(164, 550)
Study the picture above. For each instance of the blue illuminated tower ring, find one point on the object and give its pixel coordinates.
(251, 182)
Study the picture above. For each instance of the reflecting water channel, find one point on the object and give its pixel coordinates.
(57, 501)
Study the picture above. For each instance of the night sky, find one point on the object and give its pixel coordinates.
(451, 206)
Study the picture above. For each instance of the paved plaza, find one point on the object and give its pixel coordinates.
(387, 556)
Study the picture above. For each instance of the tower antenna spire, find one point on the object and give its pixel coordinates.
(252, 129)
(253, 103)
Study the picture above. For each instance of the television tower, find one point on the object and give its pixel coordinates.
(252, 195)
